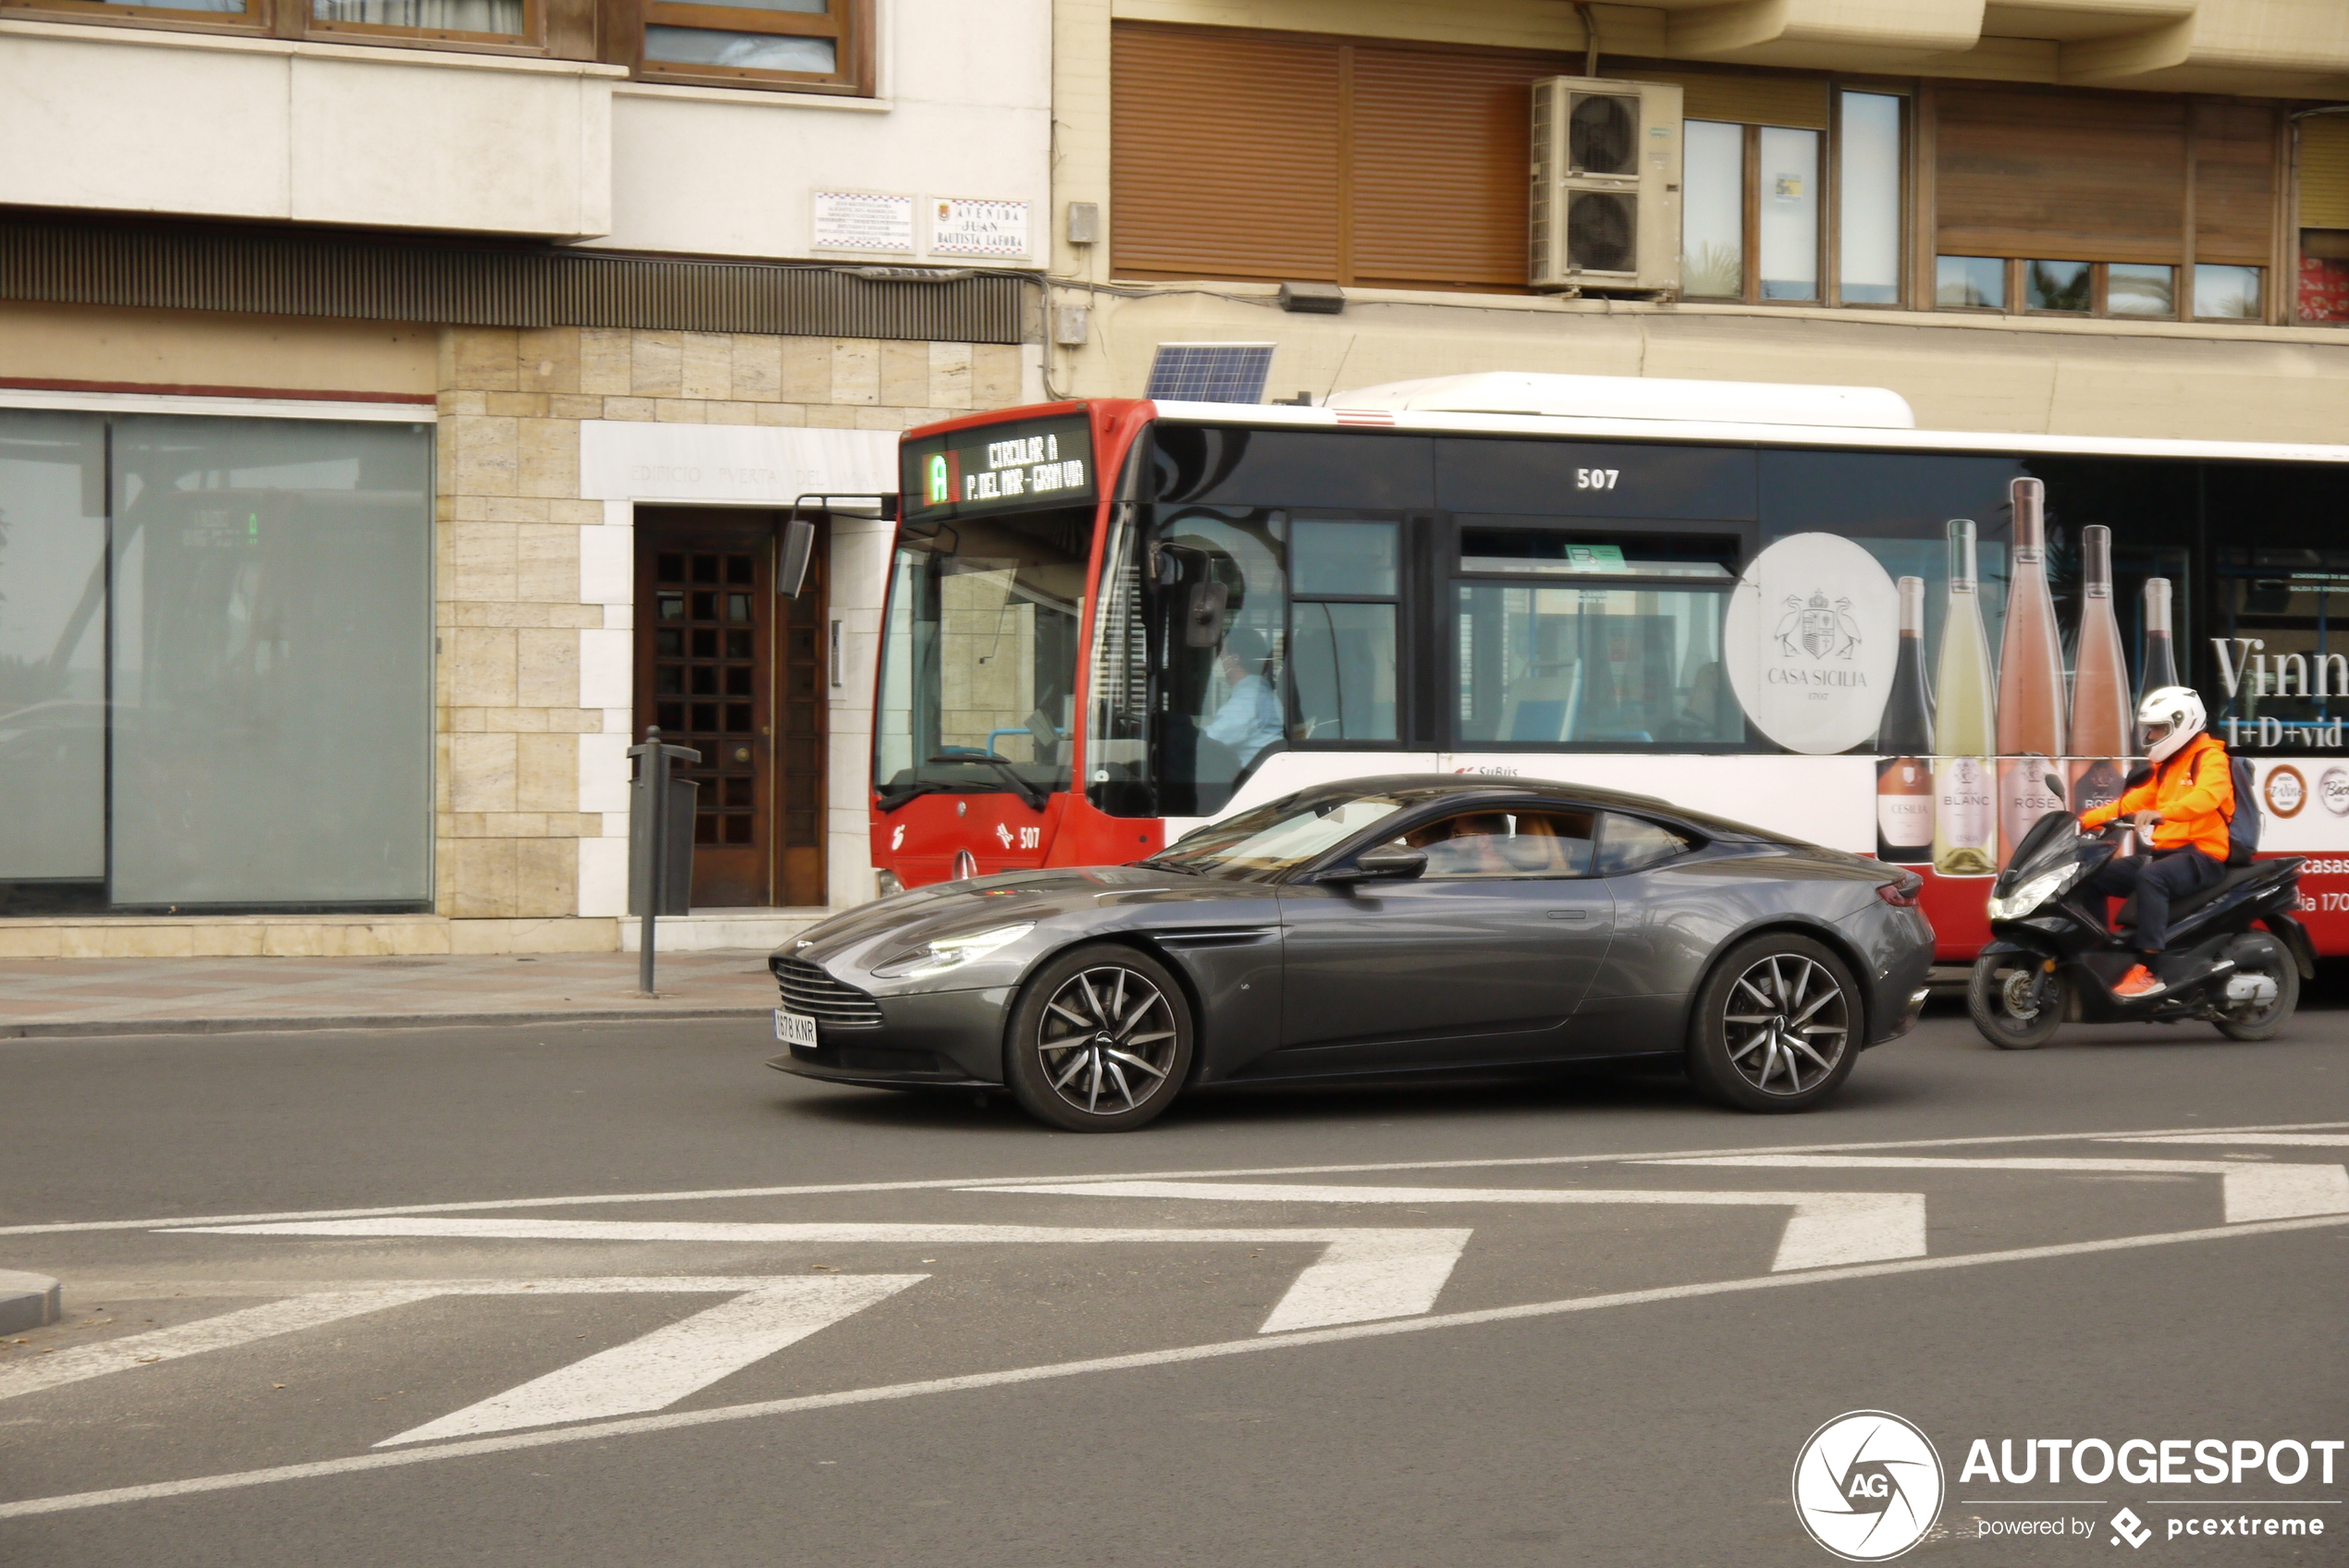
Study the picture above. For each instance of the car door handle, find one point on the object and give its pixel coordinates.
(1570, 914)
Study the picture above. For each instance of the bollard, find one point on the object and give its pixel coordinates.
(660, 842)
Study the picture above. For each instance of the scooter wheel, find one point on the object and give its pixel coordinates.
(2262, 955)
(2014, 1002)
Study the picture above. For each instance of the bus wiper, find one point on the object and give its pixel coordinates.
(1037, 799)
(891, 799)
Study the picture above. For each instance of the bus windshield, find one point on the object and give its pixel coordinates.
(978, 655)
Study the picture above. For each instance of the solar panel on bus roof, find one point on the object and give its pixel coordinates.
(1209, 372)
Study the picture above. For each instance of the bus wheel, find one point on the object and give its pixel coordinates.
(1099, 1041)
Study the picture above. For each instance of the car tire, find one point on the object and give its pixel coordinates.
(1757, 1038)
(1100, 1040)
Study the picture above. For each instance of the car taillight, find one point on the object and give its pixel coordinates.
(1899, 895)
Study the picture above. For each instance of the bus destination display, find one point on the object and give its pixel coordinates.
(1046, 462)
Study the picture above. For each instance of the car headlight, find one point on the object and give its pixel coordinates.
(2031, 894)
(941, 954)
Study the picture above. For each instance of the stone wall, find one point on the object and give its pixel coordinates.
(510, 609)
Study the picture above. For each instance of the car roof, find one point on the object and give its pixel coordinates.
(1429, 789)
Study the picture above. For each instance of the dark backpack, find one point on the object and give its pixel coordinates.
(2243, 823)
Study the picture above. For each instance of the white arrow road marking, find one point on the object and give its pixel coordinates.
(655, 1371)
(2311, 1140)
(1361, 1275)
(232, 1329)
(2251, 1192)
(1826, 1229)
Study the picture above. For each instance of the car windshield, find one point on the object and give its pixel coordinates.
(1267, 843)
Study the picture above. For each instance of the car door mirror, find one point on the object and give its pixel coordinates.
(1387, 862)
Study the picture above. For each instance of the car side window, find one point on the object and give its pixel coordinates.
(1633, 843)
(1507, 843)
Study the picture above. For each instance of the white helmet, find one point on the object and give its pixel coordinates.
(2169, 717)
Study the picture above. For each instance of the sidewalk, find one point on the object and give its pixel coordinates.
(206, 996)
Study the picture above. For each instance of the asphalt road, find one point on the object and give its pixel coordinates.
(1195, 1352)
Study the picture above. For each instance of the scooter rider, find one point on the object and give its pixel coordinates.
(2185, 804)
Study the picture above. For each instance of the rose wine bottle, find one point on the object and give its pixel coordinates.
(1965, 828)
(2030, 678)
(2101, 728)
(1904, 777)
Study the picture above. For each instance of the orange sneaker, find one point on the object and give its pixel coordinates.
(2139, 982)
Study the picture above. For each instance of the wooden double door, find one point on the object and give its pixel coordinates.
(731, 668)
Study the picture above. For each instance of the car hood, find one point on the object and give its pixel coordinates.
(1100, 898)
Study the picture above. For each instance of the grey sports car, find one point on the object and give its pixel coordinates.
(1378, 925)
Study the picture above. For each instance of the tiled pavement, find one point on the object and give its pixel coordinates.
(50, 996)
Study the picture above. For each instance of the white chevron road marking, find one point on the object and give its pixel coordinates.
(1825, 1229)
(2250, 1191)
(1363, 1274)
(659, 1368)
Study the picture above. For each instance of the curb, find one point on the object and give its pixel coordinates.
(27, 1301)
(71, 1028)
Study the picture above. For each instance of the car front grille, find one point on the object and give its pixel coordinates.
(806, 988)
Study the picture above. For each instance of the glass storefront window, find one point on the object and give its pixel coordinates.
(1970, 283)
(52, 675)
(2226, 293)
(215, 661)
(2055, 286)
(1789, 225)
(1712, 211)
(1868, 226)
(1629, 665)
(2132, 289)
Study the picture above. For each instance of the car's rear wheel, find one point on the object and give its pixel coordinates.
(1099, 1041)
(1776, 1025)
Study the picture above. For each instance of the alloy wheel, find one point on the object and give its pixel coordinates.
(1107, 1041)
(1790, 1026)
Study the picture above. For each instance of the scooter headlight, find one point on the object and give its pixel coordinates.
(2047, 885)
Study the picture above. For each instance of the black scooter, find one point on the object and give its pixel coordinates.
(2051, 958)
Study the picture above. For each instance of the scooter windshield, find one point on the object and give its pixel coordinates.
(2049, 841)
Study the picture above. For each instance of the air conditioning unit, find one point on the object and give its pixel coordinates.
(1606, 186)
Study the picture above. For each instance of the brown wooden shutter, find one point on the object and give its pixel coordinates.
(1442, 155)
(2324, 171)
(2088, 176)
(1797, 102)
(1223, 154)
(2234, 183)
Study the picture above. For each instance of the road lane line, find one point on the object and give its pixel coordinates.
(300, 1311)
(2309, 1139)
(680, 1420)
(945, 1183)
(658, 1369)
(2249, 1191)
(1823, 1229)
(1360, 1274)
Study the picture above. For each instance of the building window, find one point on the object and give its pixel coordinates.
(2138, 289)
(2056, 286)
(2226, 293)
(1970, 283)
(502, 19)
(811, 45)
(1755, 220)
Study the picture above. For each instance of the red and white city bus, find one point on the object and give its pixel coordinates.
(1111, 621)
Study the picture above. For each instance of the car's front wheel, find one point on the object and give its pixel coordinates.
(1099, 1041)
(1776, 1025)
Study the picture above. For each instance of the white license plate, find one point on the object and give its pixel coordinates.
(795, 1028)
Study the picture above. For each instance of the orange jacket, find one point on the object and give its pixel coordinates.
(2195, 792)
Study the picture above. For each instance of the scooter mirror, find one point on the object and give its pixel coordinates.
(2055, 785)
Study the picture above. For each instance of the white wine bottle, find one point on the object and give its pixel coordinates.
(2102, 726)
(2030, 731)
(1904, 777)
(1965, 827)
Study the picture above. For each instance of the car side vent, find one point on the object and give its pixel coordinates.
(807, 988)
(1213, 936)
